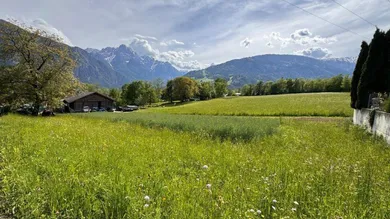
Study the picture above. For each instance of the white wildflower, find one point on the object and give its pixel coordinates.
(274, 201)
(146, 206)
(205, 167)
(273, 207)
(208, 186)
(258, 212)
(293, 209)
(296, 203)
(147, 198)
(252, 211)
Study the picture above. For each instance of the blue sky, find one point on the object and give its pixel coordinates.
(193, 34)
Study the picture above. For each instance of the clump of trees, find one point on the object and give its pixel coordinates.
(372, 71)
(339, 83)
(35, 68)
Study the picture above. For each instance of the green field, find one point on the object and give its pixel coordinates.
(218, 127)
(319, 104)
(73, 167)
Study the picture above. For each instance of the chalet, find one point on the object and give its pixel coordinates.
(90, 99)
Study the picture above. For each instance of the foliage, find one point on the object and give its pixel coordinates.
(387, 105)
(310, 169)
(219, 127)
(338, 83)
(184, 88)
(317, 104)
(139, 93)
(220, 85)
(38, 69)
(206, 90)
(357, 73)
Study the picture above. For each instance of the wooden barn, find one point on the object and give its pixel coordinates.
(90, 99)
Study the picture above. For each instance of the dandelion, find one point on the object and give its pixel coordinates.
(296, 203)
(208, 186)
(293, 209)
(146, 206)
(147, 198)
(258, 212)
(205, 167)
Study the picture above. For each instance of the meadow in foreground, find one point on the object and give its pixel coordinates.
(314, 104)
(217, 127)
(72, 167)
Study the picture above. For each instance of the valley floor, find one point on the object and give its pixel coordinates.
(103, 165)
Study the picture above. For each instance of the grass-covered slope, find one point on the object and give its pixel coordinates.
(73, 167)
(316, 104)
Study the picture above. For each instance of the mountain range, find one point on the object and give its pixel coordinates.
(115, 66)
(273, 67)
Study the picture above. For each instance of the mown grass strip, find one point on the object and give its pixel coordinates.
(216, 127)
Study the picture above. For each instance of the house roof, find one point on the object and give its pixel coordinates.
(82, 95)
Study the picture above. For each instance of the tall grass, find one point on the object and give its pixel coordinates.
(72, 167)
(316, 104)
(217, 127)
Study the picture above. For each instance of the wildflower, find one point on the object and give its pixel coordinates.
(252, 211)
(296, 203)
(258, 212)
(208, 186)
(146, 206)
(205, 167)
(274, 201)
(273, 207)
(147, 198)
(293, 209)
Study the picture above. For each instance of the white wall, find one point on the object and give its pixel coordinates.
(381, 124)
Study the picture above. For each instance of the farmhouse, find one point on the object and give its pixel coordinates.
(90, 99)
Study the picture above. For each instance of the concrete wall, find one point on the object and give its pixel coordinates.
(381, 124)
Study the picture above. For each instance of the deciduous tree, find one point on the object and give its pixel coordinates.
(37, 68)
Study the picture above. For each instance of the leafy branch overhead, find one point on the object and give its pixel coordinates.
(36, 67)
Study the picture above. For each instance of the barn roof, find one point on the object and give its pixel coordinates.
(82, 95)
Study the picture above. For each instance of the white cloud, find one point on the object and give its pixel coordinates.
(180, 59)
(172, 43)
(139, 36)
(315, 52)
(301, 37)
(301, 33)
(246, 42)
(41, 24)
(142, 47)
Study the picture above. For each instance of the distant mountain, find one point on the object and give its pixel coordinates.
(134, 67)
(113, 67)
(273, 67)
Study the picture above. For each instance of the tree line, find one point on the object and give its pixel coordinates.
(179, 89)
(339, 83)
(372, 71)
(185, 89)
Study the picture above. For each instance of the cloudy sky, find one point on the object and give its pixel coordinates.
(192, 34)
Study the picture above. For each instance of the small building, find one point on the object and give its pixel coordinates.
(90, 99)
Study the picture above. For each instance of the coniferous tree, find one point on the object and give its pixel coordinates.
(369, 79)
(357, 72)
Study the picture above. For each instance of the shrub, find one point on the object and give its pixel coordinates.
(386, 105)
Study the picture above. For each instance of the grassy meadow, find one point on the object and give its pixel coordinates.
(75, 167)
(315, 104)
(218, 127)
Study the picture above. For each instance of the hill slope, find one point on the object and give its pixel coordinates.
(273, 67)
